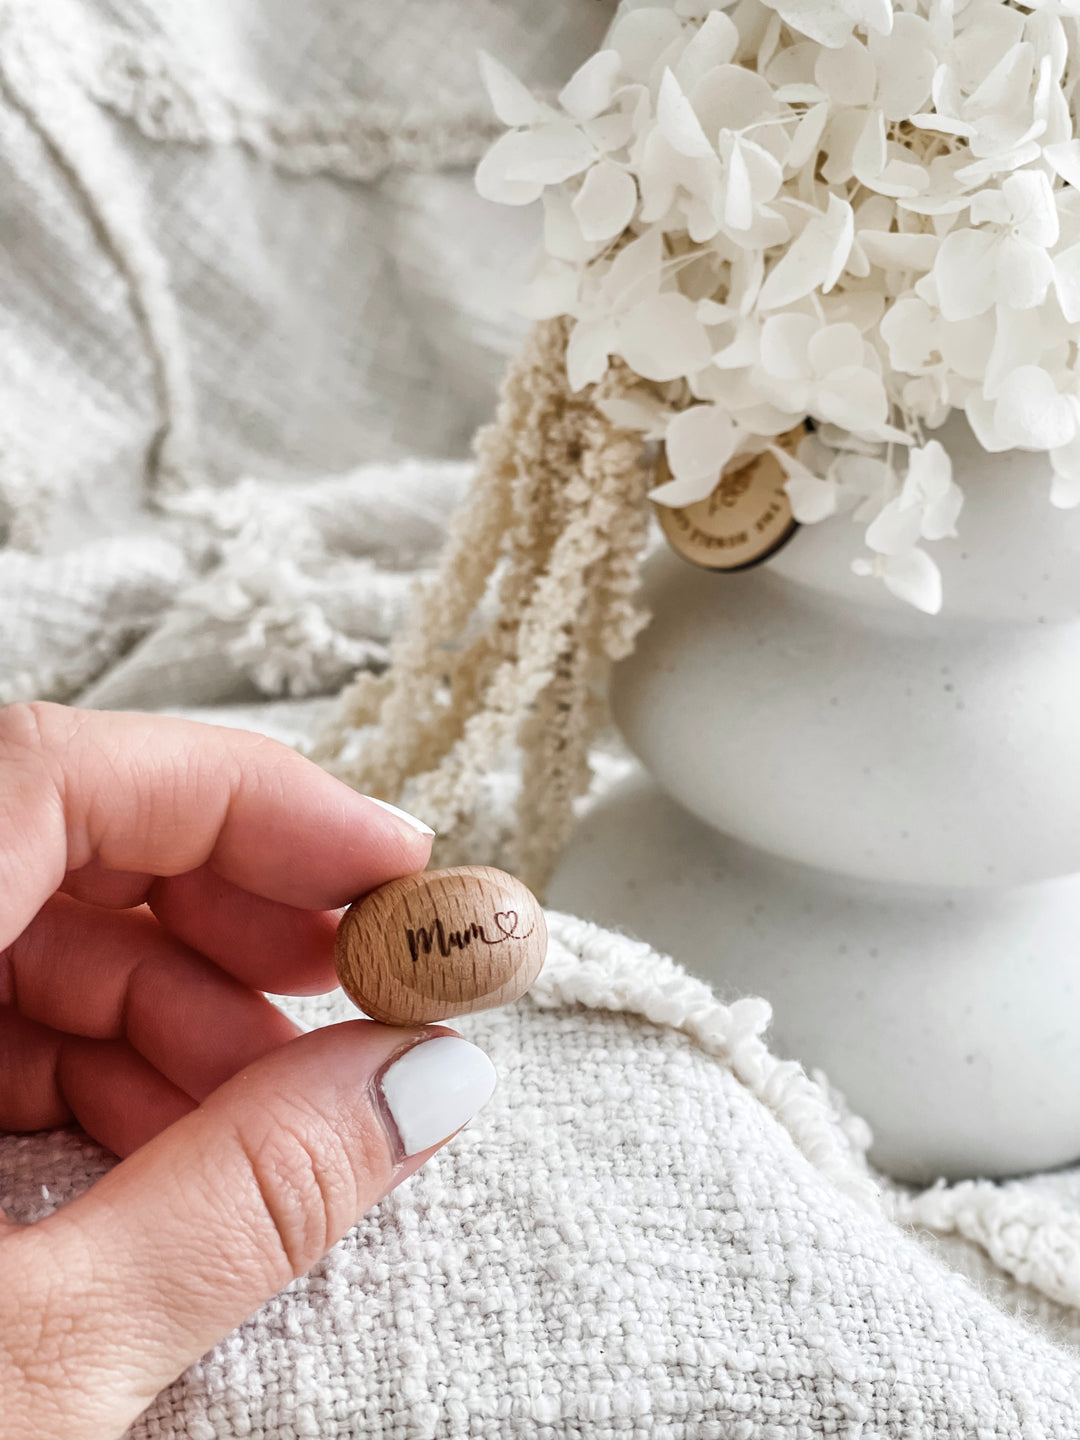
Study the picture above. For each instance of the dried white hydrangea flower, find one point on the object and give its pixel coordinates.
(861, 211)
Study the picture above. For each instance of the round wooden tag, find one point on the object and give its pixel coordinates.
(745, 520)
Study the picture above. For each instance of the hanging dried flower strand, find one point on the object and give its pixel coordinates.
(556, 523)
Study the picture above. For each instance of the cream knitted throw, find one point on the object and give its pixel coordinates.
(655, 1231)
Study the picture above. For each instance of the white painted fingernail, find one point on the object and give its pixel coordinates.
(435, 1088)
(411, 820)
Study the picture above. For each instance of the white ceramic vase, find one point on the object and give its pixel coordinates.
(891, 847)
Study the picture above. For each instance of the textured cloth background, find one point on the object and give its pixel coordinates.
(239, 239)
(250, 314)
(654, 1230)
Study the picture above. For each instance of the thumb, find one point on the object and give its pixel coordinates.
(109, 1300)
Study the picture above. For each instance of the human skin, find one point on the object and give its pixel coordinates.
(156, 876)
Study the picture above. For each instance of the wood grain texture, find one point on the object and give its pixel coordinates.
(442, 943)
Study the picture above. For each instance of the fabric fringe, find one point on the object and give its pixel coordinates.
(591, 966)
(1029, 1234)
(555, 526)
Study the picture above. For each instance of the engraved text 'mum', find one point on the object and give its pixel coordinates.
(425, 938)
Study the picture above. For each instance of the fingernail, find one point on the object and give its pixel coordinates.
(410, 820)
(434, 1088)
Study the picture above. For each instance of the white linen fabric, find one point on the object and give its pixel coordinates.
(251, 313)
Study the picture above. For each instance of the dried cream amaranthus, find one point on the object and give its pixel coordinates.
(556, 522)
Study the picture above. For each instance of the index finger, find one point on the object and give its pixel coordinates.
(162, 796)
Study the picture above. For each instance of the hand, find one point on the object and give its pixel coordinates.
(155, 877)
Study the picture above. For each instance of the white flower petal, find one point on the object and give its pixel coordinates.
(966, 273)
(893, 251)
(635, 271)
(821, 20)
(1008, 84)
(812, 499)
(874, 14)
(732, 98)
(854, 399)
(848, 75)
(714, 44)
(939, 518)
(815, 259)
(661, 338)
(1019, 339)
(1065, 158)
(981, 417)
(896, 529)
(548, 155)
(800, 95)
(929, 484)
(906, 63)
(785, 344)
(739, 199)
(642, 36)
(743, 350)
(929, 473)
(700, 441)
(554, 290)
(678, 123)
(711, 313)
(943, 124)
(610, 132)
(915, 578)
(1031, 414)
(1067, 282)
(1024, 273)
(513, 102)
(591, 343)
(990, 207)
(636, 412)
(805, 141)
(838, 144)
(976, 49)
(835, 347)
(606, 202)
(563, 239)
(868, 159)
(908, 329)
(966, 344)
(493, 179)
(677, 493)
(1031, 201)
(589, 90)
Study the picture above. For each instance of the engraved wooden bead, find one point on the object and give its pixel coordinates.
(442, 943)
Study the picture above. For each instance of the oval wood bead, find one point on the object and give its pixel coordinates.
(442, 943)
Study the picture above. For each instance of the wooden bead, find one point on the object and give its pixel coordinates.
(442, 943)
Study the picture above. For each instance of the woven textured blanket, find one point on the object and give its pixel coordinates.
(654, 1229)
(250, 321)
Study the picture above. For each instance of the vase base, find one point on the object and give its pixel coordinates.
(949, 1019)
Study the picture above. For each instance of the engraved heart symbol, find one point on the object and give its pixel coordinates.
(507, 921)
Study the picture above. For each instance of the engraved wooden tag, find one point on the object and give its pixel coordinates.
(442, 943)
(745, 520)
